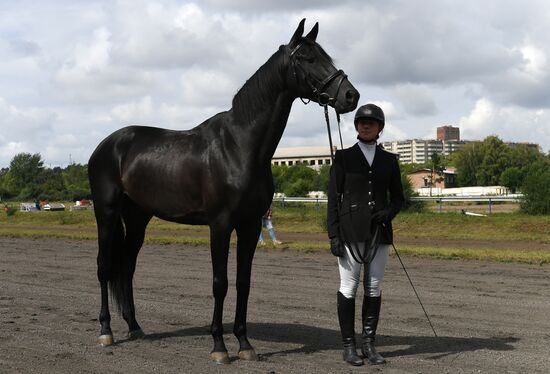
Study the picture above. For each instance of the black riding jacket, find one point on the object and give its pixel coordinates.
(357, 190)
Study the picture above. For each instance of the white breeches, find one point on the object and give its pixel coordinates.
(350, 271)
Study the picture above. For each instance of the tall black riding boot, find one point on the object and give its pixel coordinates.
(346, 317)
(371, 312)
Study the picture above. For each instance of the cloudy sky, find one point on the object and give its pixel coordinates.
(73, 71)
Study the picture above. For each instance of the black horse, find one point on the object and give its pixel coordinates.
(216, 174)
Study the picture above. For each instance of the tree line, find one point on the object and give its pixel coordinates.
(27, 178)
(489, 162)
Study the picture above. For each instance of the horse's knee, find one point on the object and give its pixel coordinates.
(220, 286)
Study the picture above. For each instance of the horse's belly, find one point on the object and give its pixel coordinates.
(194, 218)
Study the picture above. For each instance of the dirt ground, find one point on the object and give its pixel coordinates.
(490, 317)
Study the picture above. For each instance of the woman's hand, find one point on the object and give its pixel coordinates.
(382, 216)
(336, 246)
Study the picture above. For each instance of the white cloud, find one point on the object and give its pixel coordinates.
(477, 124)
(510, 123)
(75, 71)
(536, 64)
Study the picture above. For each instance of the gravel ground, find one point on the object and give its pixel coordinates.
(490, 317)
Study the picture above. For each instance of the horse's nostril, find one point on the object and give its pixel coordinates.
(352, 96)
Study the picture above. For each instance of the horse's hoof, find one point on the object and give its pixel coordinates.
(105, 340)
(136, 334)
(248, 355)
(220, 357)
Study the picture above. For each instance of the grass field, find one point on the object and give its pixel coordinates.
(309, 219)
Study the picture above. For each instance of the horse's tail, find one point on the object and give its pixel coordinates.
(122, 270)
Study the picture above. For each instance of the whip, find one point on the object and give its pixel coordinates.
(414, 289)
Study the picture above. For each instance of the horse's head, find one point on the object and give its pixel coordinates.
(313, 75)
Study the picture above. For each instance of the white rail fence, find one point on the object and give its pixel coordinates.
(440, 200)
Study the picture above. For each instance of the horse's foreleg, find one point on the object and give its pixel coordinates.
(219, 248)
(109, 235)
(246, 246)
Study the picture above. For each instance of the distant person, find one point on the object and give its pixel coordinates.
(268, 224)
(365, 194)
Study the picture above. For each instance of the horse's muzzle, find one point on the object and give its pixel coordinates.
(348, 101)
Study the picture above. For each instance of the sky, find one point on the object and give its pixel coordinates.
(74, 71)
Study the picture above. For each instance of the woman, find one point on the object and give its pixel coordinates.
(365, 194)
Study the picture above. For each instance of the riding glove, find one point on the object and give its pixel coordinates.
(382, 216)
(336, 246)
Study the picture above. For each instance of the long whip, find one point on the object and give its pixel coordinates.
(414, 289)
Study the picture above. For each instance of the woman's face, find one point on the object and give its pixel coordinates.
(368, 129)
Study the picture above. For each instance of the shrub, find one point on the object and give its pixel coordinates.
(10, 211)
(536, 189)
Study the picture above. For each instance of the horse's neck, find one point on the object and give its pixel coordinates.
(262, 126)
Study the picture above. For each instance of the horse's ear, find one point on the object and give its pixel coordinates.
(298, 33)
(313, 33)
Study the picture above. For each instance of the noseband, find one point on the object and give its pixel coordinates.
(323, 98)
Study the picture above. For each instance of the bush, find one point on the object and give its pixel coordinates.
(411, 205)
(536, 189)
(10, 211)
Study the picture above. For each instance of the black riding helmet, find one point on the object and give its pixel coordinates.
(370, 111)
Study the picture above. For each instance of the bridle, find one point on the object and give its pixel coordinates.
(323, 98)
(318, 87)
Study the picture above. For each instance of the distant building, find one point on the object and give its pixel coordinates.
(419, 151)
(424, 178)
(314, 157)
(446, 133)
(530, 145)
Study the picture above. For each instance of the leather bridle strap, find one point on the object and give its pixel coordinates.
(323, 98)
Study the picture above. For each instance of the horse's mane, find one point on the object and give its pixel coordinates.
(260, 90)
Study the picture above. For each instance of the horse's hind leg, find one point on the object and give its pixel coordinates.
(110, 236)
(219, 249)
(135, 222)
(246, 246)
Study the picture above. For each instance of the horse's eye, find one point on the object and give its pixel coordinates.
(308, 59)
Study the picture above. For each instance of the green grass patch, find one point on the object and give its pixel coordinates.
(311, 219)
(498, 255)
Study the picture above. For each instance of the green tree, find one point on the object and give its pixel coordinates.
(512, 178)
(51, 184)
(409, 204)
(299, 180)
(467, 160)
(26, 172)
(522, 155)
(536, 188)
(496, 158)
(5, 182)
(322, 179)
(279, 176)
(75, 179)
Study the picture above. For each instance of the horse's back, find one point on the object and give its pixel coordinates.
(166, 172)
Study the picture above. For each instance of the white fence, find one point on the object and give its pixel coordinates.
(440, 200)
